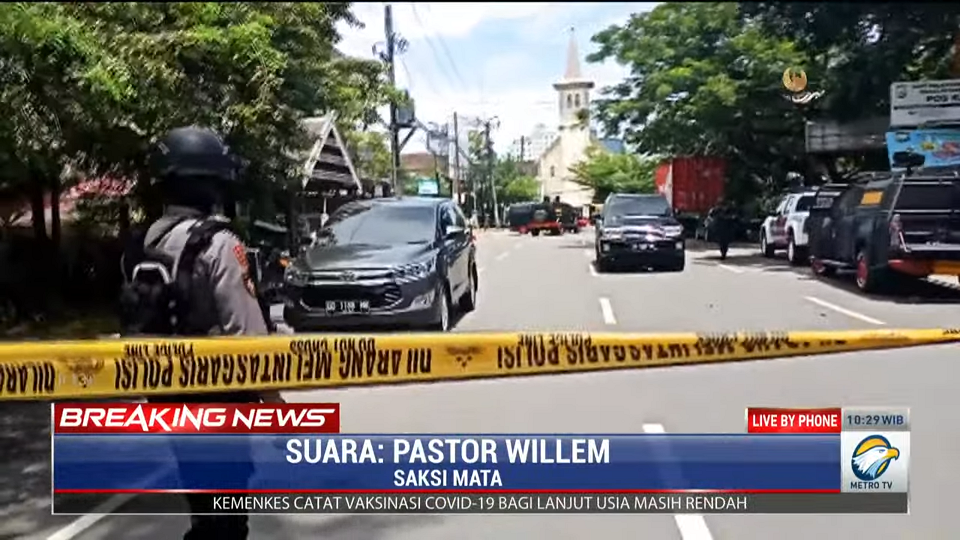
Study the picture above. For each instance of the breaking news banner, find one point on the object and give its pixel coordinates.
(292, 458)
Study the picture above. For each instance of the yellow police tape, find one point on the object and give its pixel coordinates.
(135, 367)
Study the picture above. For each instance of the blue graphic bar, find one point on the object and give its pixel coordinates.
(448, 462)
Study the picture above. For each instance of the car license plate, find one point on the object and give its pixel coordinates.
(347, 306)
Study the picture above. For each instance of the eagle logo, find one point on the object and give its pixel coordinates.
(794, 80)
(872, 456)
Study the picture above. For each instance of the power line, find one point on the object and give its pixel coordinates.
(446, 51)
(406, 71)
(438, 58)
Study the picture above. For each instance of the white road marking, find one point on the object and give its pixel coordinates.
(607, 311)
(587, 253)
(691, 526)
(78, 526)
(502, 256)
(729, 268)
(593, 269)
(844, 311)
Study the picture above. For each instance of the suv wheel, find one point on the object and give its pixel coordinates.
(868, 278)
(442, 323)
(794, 253)
(766, 249)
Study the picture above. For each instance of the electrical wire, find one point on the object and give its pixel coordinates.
(446, 51)
(437, 56)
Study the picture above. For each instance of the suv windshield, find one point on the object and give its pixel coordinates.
(380, 225)
(638, 206)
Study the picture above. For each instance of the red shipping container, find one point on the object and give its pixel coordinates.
(692, 184)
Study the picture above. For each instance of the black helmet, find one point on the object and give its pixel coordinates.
(193, 152)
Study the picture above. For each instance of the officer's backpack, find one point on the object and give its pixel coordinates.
(156, 293)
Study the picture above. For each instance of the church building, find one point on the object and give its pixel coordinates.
(574, 135)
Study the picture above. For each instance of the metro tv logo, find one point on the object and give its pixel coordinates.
(872, 458)
(875, 450)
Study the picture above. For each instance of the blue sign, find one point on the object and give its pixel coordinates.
(358, 462)
(428, 186)
(939, 147)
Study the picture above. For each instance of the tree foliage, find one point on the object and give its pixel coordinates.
(703, 81)
(370, 153)
(95, 84)
(605, 173)
(513, 183)
(855, 51)
(705, 77)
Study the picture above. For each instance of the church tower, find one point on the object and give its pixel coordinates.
(573, 136)
(573, 91)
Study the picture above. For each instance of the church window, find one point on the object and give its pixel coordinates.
(576, 100)
(552, 171)
(569, 101)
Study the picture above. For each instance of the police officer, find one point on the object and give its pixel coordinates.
(724, 226)
(195, 172)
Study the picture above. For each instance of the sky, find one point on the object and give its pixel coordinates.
(487, 60)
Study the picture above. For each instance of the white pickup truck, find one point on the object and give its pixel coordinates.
(784, 229)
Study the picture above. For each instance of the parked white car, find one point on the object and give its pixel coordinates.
(784, 229)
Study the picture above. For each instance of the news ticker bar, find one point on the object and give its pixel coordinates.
(492, 503)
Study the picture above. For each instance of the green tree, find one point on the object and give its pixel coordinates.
(370, 153)
(855, 51)
(252, 71)
(90, 87)
(703, 81)
(513, 185)
(478, 171)
(62, 93)
(520, 189)
(605, 173)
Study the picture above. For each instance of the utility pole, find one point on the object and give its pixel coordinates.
(455, 192)
(523, 147)
(493, 187)
(392, 73)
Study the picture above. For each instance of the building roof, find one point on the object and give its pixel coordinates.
(417, 162)
(328, 164)
(572, 75)
(572, 72)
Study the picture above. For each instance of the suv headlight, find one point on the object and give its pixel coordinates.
(611, 234)
(417, 270)
(673, 230)
(294, 276)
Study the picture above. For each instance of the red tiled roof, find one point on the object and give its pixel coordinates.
(419, 162)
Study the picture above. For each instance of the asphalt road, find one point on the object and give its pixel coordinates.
(548, 283)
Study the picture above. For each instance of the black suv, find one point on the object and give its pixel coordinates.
(888, 226)
(639, 231)
(384, 262)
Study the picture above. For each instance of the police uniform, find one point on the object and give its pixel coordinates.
(224, 298)
(222, 301)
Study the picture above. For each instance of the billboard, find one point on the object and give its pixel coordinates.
(939, 147)
(913, 104)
